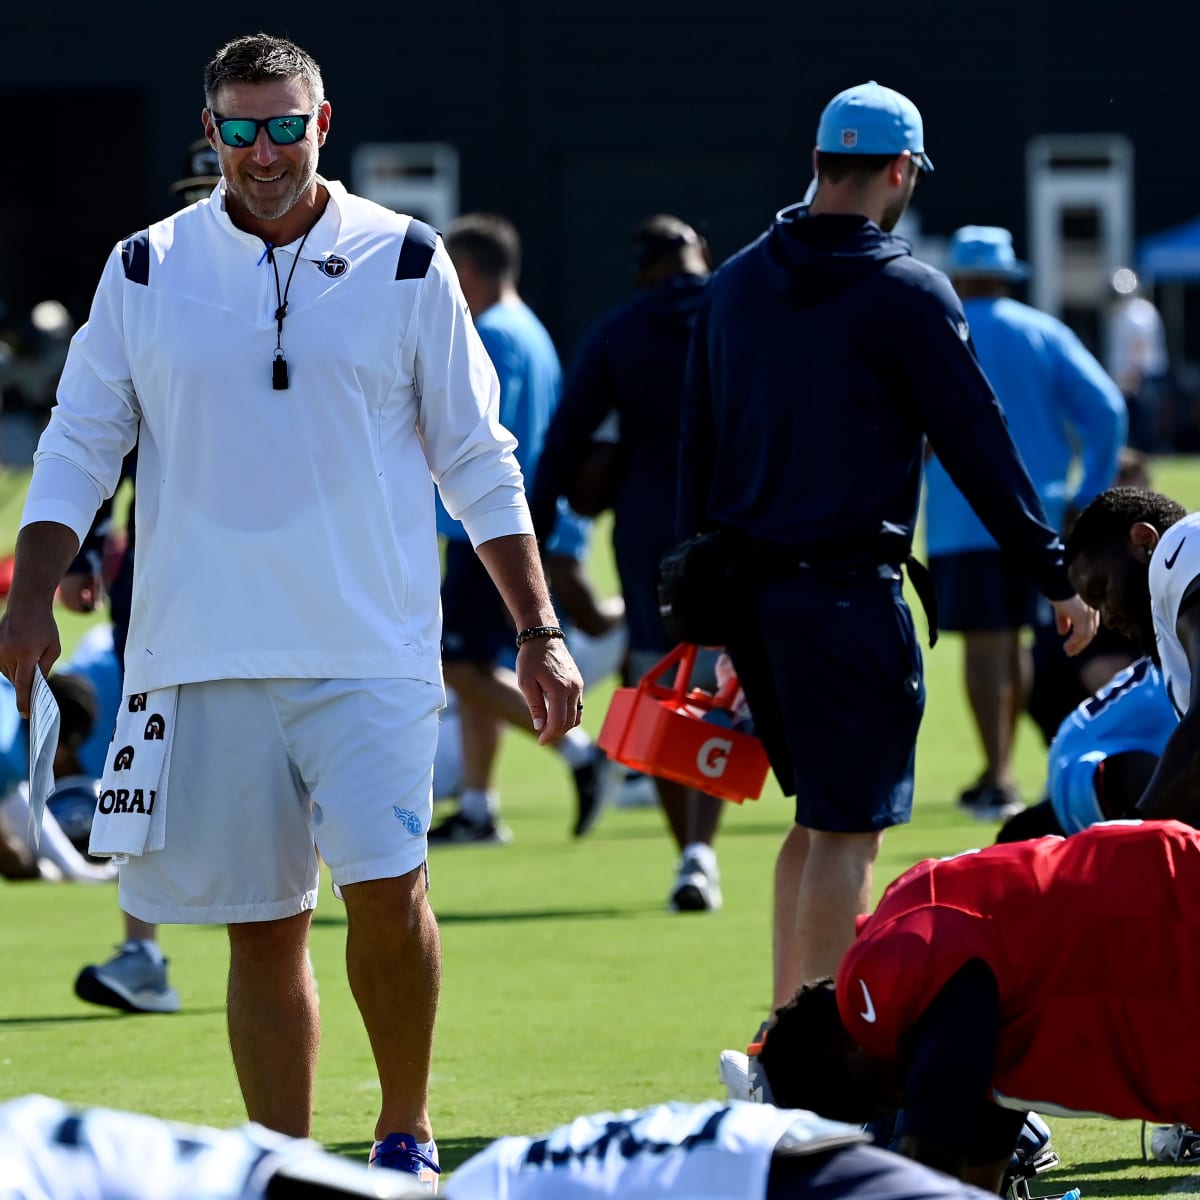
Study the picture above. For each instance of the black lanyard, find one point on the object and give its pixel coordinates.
(279, 367)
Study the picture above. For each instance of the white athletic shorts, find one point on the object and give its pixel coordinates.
(266, 773)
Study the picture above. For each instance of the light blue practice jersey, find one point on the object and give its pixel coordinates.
(530, 378)
(1131, 713)
(1059, 402)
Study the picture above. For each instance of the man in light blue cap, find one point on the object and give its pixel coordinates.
(824, 341)
(873, 119)
(1061, 406)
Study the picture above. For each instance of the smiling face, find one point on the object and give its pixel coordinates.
(1116, 581)
(266, 183)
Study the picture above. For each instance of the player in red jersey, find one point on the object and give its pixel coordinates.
(1057, 975)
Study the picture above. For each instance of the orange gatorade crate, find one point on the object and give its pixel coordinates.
(664, 731)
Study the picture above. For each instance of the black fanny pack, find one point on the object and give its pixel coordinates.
(700, 595)
(705, 582)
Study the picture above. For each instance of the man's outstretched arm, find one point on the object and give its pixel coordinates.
(1174, 788)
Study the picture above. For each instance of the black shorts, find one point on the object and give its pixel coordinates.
(475, 624)
(834, 678)
(983, 591)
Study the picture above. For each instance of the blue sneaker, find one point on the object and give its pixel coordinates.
(400, 1152)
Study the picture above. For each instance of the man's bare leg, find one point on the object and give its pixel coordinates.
(789, 870)
(834, 889)
(996, 691)
(274, 1029)
(393, 959)
(692, 816)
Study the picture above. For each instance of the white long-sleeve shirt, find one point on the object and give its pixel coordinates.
(282, 533)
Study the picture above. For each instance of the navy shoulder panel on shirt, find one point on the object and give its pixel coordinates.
(135, 257)
(416, 252)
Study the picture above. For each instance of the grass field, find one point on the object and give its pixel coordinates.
(567, 988)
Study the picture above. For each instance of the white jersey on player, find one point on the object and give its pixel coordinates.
(1174, 566)
(49, 1151)
(711, 1151)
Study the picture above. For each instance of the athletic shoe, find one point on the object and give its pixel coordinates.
(637, 791)
(734, 1070)
(459, 830)
(697, 886)
(1174, 1143)
(131, 981)
(741, 1074)
(400, 1152)
(991, 802)
(595, 784)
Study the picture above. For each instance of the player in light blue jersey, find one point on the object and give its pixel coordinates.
(1102, 756)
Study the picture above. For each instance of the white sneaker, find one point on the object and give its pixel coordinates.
(734, 1070)
(131, 981)
(697, 886)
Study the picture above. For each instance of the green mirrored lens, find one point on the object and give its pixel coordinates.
(238, 133)
(283, 131)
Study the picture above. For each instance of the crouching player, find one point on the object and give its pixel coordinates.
(1019, 977)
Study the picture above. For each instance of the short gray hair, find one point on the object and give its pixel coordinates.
(261, 58)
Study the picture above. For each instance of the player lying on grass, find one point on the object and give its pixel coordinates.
(1053, 975)
(708, 1151)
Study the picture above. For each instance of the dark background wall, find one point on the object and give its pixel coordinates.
(576, 119)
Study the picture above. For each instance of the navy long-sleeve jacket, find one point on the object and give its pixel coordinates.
(631, 362)
(822, 357)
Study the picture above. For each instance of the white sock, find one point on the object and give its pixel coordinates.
(705, 855)
(576, 747)
(479, 804)
(146, 947)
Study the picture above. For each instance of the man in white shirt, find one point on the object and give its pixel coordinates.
(298, 366)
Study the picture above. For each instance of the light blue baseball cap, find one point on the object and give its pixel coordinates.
(872, 119)
(984, 250)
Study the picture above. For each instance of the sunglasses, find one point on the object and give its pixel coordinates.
(240, 132)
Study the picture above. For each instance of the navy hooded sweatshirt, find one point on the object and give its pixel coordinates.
(822, 357)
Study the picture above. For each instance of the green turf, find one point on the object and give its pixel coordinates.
(567, 987)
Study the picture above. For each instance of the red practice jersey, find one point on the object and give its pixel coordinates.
(1094, 941)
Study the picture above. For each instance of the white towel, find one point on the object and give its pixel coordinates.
(131, 812)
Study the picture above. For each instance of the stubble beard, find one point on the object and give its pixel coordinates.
(263, 209)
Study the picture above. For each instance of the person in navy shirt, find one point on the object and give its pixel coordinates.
(823, 355)
(630, 369)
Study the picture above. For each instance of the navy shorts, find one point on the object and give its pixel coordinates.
(475, 624)
(833, 674)
(983, 591)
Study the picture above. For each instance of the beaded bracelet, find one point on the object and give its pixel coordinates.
(538, 631)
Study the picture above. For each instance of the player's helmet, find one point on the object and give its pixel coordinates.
(73, 805)
(1032, 1156)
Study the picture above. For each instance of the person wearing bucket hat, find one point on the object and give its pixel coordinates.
(1063, 412)
(825, 338)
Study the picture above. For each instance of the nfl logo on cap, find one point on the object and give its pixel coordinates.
(872, 119)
